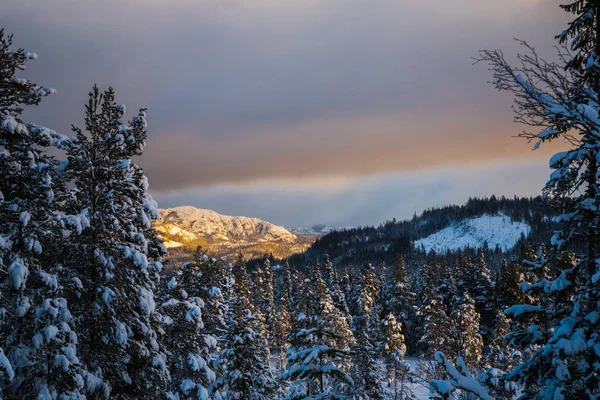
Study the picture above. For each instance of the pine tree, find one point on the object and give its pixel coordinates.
(318, 327)
(508, 291)
(245, 355)
(314, 362)
(189, 349)
(562, 99)
(333, 284)
(210, 284)
(433, 312)
(262, 288)
(39, 356)
(283, 320)
(400, 300)
(117, 255)
(283, 327)
(464, 338)
(267, 306)
(398, 370)
(366, 374)
(481, 289)
(287, 287)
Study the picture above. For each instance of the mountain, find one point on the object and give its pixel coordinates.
(184, 228)
(317, 230)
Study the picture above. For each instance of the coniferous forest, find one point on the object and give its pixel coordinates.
(89, 309)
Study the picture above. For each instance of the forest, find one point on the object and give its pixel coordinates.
(88, 311)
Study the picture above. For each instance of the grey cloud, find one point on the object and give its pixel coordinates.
(241, 90)
(365, 201)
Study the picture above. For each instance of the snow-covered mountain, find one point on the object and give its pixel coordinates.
(317, 230)
(185, 227)
(495, 230)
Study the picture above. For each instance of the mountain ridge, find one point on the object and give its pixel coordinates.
(183, 228)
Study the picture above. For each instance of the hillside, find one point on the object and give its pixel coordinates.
(184, 228)
(501, 224)
(491, 230)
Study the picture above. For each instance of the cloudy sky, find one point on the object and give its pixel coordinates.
(341, 112)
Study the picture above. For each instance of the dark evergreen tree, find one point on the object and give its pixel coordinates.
(478, 282)
(399, 373)
(117, 255)
(333, 284)
(318, 326)
(400, 301)
(245, 355)
(366, 369)
(189, 348)
(562, 99)
(39, 357)
(211, 282)
(433, 312)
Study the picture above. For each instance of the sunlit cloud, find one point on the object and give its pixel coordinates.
(311, 93)
(370, 200)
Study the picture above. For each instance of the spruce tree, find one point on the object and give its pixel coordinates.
(562, 100)
(267, 306)
(366, 369)
(333, 284)
(400, 301)
(210, 284)
(287, 287)
(39, 356)
(507, 290)
(318, 359)
(283, 320)
(189, 348)
(397, 369)
(478, 281)
(433, 312)
(117, 256)
(245, 355)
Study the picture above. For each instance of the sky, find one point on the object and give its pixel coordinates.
(337, 112)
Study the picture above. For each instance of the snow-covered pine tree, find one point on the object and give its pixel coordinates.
(287, 287)
(333, 284)
(398, 370)
(464, 335)
(478, 282)
(211, 283)
(562, 99)
(433, 311)
(400, 301)
(245, 355)
(282, 328)
(507, 289)
(267, 306)
(117, 254)
(320, 327)
(315, 365)
(368, 290)
(366, 368)
(283, 320)
(188, 348)
(346, 285)
(39, 355)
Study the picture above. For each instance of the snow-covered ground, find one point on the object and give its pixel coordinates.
(496, 230)
(419, 389)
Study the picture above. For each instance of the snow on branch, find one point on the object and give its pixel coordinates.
(458, 381)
